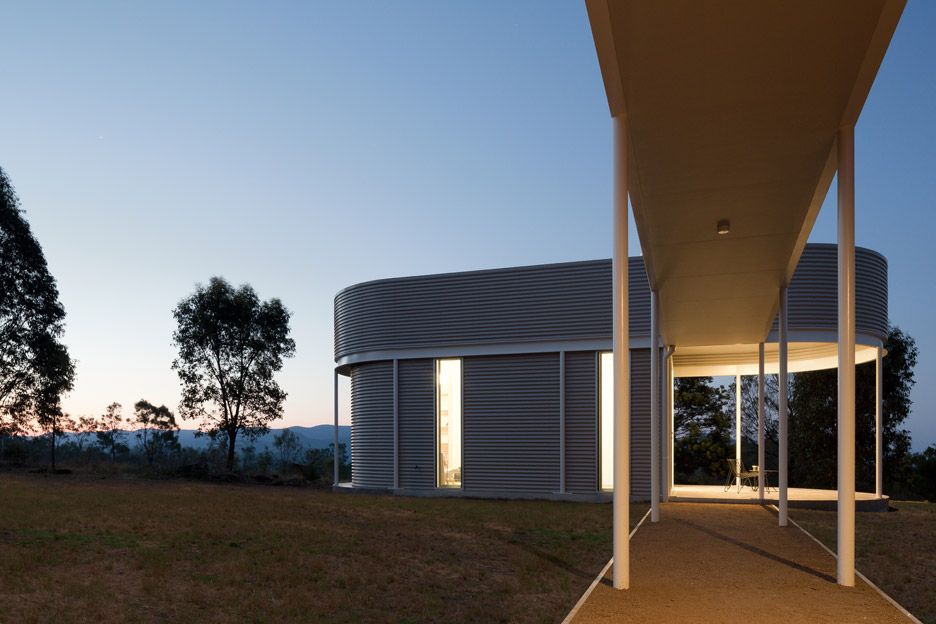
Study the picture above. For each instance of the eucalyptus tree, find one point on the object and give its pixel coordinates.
(231, 344)
(110, 434)
(35, 368)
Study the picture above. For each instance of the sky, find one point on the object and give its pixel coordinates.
(305, 146)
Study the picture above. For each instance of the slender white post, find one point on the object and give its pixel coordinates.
(336, 461)
(562, 434)
(396, 424)
(737, 429)
(621, 343)
(761, 450)
(654, 407)
(666, 479)
(846, 357)
(671, 397)
(879, 424)
(783, 415)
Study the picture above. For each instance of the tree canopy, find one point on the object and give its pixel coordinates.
(230, 346)
(35, 368)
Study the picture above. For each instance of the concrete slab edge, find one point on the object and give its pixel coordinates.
(581, 601)
(864, 578)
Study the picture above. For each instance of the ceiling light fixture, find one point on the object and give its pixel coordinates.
(723, 227)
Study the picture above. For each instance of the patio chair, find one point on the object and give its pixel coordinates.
(736, 472)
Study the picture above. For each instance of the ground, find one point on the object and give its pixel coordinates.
(77, 549)
(896, 550)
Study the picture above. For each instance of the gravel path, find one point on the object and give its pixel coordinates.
(731, 563)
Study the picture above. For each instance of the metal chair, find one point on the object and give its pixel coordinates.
(736, 472)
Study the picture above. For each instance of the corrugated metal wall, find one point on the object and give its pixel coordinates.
(417, 423)
(813, 293)
(511, 424)
(570, 301)
(372, 425)
(581, 427)
(640, 423)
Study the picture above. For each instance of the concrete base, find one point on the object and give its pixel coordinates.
(597, 497)
(802, 498)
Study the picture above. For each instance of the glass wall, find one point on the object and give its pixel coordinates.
(449, 422)
(606, 422)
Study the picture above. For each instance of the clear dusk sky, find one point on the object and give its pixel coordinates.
(305, 146)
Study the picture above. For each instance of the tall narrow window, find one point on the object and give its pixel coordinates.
(606, 422)
(449, 422)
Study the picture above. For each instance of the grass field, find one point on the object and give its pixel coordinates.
(74, 549)
(896, 550)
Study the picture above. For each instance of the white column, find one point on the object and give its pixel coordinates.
(562, 434)
(737, 429)
(671, 408)
(654, 407)
(621, 344)
(336, 461)
(396, 424)
(761, 450)
(879, 424)
(783, 415)
(666, 479)
(846, 357)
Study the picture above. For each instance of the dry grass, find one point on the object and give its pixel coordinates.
(81, 550)
(896, 550)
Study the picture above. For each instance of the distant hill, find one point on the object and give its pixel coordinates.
(319, 436)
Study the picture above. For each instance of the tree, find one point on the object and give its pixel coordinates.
(230, 346)
(84, 427)
(35, 368)
(288, 448)
(814, 417)
(702, 425)
(158, 430)
(51, 419)
(109, 434)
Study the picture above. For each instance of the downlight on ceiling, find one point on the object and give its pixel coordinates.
(723, 227)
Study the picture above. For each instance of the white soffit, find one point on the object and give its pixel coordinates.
(732, 109)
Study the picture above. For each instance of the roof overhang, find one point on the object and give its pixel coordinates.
(732, 109)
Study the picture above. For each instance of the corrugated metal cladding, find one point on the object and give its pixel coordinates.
(417, 423)
(372, 425)
(511, 424)
(570, 301)
(510, 420)
(640, 423)
(813, 294)
(581, 426)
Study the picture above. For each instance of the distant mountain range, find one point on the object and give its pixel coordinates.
(319, 437)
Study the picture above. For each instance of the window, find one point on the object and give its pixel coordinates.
(606, 422)
(449, 422)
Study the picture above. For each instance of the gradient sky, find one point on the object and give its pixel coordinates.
(302, 147)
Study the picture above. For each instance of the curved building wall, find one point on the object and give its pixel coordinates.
(813, 293)
(563, 303)
(512, 328)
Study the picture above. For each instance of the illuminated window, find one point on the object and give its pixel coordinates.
(606, 422)
(449, 422)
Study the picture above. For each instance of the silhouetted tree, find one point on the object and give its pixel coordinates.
(814, 418)
(109, 434)
(230, 346)
(35, 369)
(288, 448)
(702, 425)
(158, 430)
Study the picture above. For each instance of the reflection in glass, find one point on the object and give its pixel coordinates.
(449, 421)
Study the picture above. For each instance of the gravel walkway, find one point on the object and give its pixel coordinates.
(731, 563)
